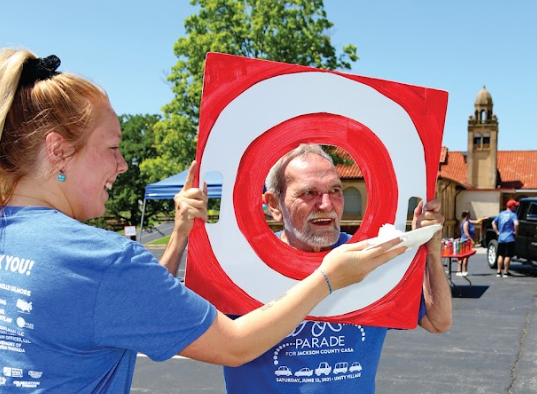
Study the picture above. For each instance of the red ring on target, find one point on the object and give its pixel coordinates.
(362, 144)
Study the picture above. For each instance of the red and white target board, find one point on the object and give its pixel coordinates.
(255, 111)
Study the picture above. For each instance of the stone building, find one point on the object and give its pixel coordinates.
(481, 179)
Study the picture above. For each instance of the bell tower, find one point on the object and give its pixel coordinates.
(481, 168)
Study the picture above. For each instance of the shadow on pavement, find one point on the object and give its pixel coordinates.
(524, 270)
(468, 291)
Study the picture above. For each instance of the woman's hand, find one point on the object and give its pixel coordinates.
(349, 264)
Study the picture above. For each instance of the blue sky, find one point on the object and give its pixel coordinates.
(457, 46)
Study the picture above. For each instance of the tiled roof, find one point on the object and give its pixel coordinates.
(453, 166)
(517, 169)
(347, 171)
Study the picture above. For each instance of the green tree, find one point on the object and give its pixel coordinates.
(137, 144)
(290, 31)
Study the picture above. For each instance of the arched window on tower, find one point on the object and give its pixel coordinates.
(483, 116)
(353, 203)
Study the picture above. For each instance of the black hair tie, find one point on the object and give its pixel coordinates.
(39, 69)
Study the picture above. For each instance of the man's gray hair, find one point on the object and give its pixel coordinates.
(275, 181)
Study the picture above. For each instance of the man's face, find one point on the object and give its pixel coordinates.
(312, 203)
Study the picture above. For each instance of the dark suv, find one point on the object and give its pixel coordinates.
(526, 240)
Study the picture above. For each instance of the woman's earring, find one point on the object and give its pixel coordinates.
(61, 176)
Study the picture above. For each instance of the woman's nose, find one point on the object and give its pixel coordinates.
(122, 165)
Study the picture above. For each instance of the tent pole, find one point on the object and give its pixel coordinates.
(141, 223)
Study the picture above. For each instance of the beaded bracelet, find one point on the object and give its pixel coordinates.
(327, 280)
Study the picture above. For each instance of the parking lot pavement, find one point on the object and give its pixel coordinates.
(490, 348)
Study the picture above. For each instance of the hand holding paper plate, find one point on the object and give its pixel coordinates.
(409, 239)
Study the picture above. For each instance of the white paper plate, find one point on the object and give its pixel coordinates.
(411, 239)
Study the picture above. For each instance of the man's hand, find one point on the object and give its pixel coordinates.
(436, 290)
(427, 215)
(190, 203)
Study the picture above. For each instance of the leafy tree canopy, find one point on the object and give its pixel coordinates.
(290, 31)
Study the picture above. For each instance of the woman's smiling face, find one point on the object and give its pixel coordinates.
(92, 171)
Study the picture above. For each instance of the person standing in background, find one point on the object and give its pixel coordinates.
(467, 233)
(506, 226)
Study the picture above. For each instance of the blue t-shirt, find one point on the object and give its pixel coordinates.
(505, 222)
(77, 303)
(317, 357)
(471, 230)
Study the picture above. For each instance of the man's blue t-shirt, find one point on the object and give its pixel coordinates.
(317, 357)
(505, 222)
(77, 303)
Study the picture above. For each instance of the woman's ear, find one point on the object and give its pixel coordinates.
(273, 204)
(58, 149)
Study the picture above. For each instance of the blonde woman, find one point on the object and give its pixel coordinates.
(80, 302)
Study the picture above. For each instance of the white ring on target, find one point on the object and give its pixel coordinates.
(271, 102)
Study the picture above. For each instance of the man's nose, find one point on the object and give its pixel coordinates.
(325, 203)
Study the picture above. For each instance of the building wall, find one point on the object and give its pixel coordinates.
(480, 203)
(484, 173)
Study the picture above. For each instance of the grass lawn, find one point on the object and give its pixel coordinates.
(160, 241)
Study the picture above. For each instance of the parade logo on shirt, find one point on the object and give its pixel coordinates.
(324, 356)
(13, 372)
(26, 384)
(24, 324)
(24, 306)
(16, 264)
(35, 374)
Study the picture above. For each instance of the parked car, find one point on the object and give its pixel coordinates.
(526, 240)
(323, 369)
(283, 371)
(355, 367)
(341, 368)
(304, 372)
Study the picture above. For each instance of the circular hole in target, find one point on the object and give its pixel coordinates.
(326, 129)
(353, 191)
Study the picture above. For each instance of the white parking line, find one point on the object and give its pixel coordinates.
(176, 356)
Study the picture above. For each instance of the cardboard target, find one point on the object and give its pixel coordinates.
(252, 113)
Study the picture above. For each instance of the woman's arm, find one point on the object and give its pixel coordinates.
(235, 342)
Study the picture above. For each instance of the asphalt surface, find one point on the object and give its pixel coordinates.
(491, 347)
